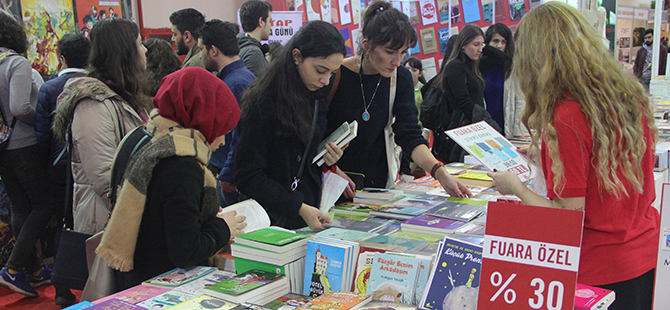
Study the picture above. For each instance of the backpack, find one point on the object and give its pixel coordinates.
(431, 109)
(129, 146)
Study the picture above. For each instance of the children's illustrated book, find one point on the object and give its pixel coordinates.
(393, 278)
(593, 298)
(167, 299)
(380, 305)
(178, 276)
(338, 301)
(272, 240)
(329, 266)
(456, 211)
(115, 304)
(136, 294)
(243, 283)
(80, 305)
(491, 148)
(195, 287)
(454, 282)
(204, 302)
(288, 302)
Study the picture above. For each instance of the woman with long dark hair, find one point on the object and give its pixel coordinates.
(283, 121)
(99, 110)
(364, 94)
(161, 61)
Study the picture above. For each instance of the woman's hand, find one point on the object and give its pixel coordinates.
(235, 223)
(333, 154)
(506, 183)
(450, 184)
(350, 190)
(314, 217)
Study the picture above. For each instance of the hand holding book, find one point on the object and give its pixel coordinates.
(314, 217)
(235, 223)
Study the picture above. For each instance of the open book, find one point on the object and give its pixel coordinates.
(341, 136)
(256, 217)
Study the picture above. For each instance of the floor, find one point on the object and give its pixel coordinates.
(45, 300)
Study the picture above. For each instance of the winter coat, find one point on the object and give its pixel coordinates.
(251, 53)
(95, 113)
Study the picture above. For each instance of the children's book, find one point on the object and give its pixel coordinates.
(379, 193)
(81, 305)
(288, 302)
(431, 225)
(243, 283)
(363, 268)
(195, 287)
(256, 217)
(454, 282)
(456, 211)
(329, 266)
(397, 212)
(204, 302)
(167, 299)
(271, 239)
(136, 294)
(393, 278)
(380, 305)
(417, 236)
(338, 301)
(178, 276)
(592, 298)
(491, 148)
(408, 243)
(341, 136)
(345, 234)
(115, 304)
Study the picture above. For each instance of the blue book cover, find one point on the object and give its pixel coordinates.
(81, 305)
(393, 278)
(324, 268)
(345, 234)
(454, 282)
(410, 244)
(422, 276)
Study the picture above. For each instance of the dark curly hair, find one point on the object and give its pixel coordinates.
(76, 49)
(161, 61)
(12, 34)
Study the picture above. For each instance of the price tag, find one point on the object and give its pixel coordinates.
(530, 257)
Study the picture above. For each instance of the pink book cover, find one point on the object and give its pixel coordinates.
(589, 297)
(135, 294)
(115, 304)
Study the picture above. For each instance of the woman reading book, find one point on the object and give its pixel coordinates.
(283, 121)
(363, 94)
(594, 129)
(167, 212)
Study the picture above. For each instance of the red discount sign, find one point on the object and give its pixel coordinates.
(530, 257)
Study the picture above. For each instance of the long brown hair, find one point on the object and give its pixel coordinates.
(467, 34)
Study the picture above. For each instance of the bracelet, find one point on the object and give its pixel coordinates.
(435, 167)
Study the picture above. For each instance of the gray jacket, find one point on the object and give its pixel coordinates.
(95, 112)
(18, 98)
(251, 53)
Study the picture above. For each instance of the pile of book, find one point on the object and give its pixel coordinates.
(329, 265)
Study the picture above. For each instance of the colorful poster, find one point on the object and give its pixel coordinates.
(284, 25)
(45, 23)
(355, 40)
(355, 11)
(417, 48)
(405, 8)
(443, 11)
(500, 10)
(347, 41)
(471, 11)
(487, 10)
(428, 12)
(429, 69)
(313, 8)
(455, 14)
(517, 9)
(325, 11)
(345, 12)
(91, 11)
(428, 41)
(413, 13)
(443, 35)
(334, 11)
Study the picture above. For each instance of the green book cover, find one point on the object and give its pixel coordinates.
(244, 282)
(334, 214)
(470, 201)
(243, 265)
(417, 236)
(272, 236)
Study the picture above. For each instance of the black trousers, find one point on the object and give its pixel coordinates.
(634, 294)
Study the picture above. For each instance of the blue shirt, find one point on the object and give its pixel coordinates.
(237, 78)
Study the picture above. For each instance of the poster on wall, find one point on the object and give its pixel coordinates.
(428, 12)
(413, 14)
(428, 41)
(325, 10)
(12, 6)
(347, 41)
(471, 11)
(443, 36)
(500, 10)
(417, 48)
(517, 9)
(429, 69)
(334, 11)
(313, 9)
(443, 11)
(284, 25)
(487, 10)
(345, 12)
(534, 3)
(45, 23)
(405, 8)
(355, 40)
(355, 11)
(624, 42)
(455, 14)
(91, 11)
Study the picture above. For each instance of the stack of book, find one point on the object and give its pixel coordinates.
(253, 286)
(329, 266)
(273, 250)
(378, 196)
(398, 277)
(338, 301)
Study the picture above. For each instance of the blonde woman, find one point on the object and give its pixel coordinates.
(597, 136)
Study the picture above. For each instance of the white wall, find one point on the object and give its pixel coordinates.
(156, 13)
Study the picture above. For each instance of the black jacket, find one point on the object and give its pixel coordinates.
(266, 163)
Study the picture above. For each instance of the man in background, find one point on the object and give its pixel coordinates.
(256, 18)
(185, 25)
(642, 67)
(220, 49)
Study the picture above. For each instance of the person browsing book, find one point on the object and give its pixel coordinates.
(283, 121)
(167, 212)
(363, 94)
(594, 129)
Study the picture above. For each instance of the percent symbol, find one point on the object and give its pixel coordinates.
(510, 294)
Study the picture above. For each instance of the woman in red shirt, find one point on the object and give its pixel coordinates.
(597, 136)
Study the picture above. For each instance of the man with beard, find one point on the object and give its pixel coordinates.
(185, 25)
(220, 49)
(256, 19)
(642, 67)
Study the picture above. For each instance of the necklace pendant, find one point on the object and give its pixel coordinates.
(366, 116)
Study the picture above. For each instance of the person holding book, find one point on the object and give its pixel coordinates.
(283, 121)
(364, 94)
(167, 213)
(594, 129)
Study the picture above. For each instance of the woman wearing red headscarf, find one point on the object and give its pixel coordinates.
(166, 212)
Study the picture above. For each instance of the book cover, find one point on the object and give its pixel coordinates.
(398, 212)
(353, 133)
(350, 224)
(593, 298)
(289, 301)
(425, 222)
(425, 264)
(167, 299)
(455, 279)
(392, 240)
(337, 301)
(420, 203)
(256, 217)
(325, 267)
(417, 236)
(334, 137)
(380, 305)
(243, 265)
(363, 268)
(115, 304)
(491, 148)
(271, 239)
(244, 282)
(470, 201)
(345, 234)
(352, 207)
(81, 305)
(379, 193)
(195, 287)
(244, 251)
(456, 211)
(178, 276)
(471, 229)
(204, 302)
(136, 294)
(393, 278)
(378, 202)
(428, 40)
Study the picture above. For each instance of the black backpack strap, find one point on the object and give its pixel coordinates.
(129, 146)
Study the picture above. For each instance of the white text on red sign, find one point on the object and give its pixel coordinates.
(541, 254)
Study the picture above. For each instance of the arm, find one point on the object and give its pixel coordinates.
(455, 82)
(508, 183)
(20, 87)
(422, 157)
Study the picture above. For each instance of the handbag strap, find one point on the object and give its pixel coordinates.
(392, 91)
(301, 168)
(333, 89)
(68, 216)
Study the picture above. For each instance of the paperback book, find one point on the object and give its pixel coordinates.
(80, 305)
(256, 217)
(244, 251)
(204, 302)
(345, 234)
(248, 286)
(592, 298)
(167, 299)
(397, 212)
(271, 239)
(195, 287)
(341, 136)
(338, 301)
(178, 276)
(456, 211)
(393, 278)
(136, 294)
(431, 225)
(289, 301)
(329, 266)
(115, 304)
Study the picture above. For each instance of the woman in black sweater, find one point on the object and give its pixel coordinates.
(283, 121)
